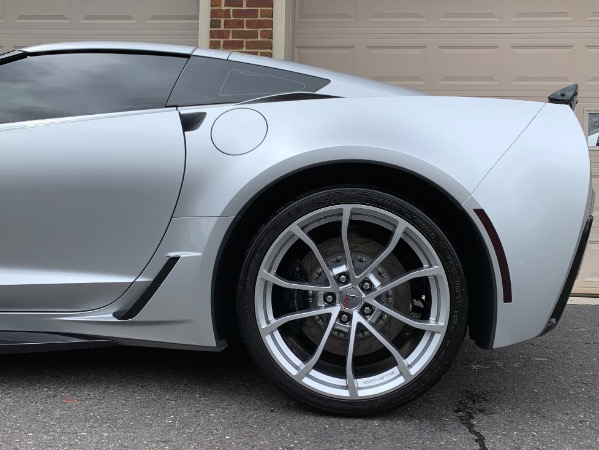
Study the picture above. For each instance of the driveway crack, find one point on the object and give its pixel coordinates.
(466, 410)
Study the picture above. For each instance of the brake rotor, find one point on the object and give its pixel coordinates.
(363, 251)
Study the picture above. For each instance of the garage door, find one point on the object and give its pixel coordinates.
(511, 48)
(30, 22)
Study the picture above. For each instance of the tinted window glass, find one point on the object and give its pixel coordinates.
(212, 81)
(73, 84)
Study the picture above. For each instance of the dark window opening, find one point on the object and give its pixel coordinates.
(75, 84)
(208, 81)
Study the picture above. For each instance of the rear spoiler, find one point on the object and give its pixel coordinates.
(566, 96)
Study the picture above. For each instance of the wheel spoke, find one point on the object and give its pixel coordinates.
(295, 229)
(426, 325)
(397, 234)
(401, 362)
(423, 272)
(352, 386)
(344, 238)
(276, 323)
(275, 279)
(307, 367)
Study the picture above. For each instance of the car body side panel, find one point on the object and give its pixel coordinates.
(537, 197)
(85, 203)
(453, 142)
(386, 131)
(456, 155)
(179, 314)
(91, 200)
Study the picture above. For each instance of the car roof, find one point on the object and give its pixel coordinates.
(346, 85)
(109, 45)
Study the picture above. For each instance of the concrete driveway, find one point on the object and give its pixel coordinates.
(538, 394)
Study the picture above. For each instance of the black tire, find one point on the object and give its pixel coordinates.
(443, 296)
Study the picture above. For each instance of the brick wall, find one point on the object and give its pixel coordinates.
(242, 25)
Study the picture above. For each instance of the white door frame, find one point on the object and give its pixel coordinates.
(204, 24)
(282, 29)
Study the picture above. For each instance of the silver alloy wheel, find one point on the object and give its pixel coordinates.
(352, 300)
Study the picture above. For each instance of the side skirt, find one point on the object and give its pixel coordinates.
(26, 342)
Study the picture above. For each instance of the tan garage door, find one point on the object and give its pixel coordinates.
(30, 22)
(510, 48)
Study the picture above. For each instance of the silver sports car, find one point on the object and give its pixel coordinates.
(349, 231)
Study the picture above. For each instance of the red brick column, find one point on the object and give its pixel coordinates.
(242, 26)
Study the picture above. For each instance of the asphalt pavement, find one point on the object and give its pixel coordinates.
(538, 394)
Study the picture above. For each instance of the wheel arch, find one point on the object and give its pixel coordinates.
(431, 199)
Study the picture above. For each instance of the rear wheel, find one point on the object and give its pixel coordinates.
(352, 301)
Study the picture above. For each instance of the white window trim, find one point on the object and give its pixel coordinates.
(586, 112)
(204, 24)
(282, 29)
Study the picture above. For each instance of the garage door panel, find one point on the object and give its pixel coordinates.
(544, 10)
(383, 12)
(516, 15)
(33, 22)
(468, 11)
(384, 57)
(31, 13)
(533, 63)
(46, 13)
(589, 76)
(331, 10)
(108, 11)
(335, 57)
(451, 64)
(35, 11)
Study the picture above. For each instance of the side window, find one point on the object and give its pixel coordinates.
(74, 84)
(212, 81)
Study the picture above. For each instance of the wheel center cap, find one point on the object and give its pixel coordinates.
(351, 298)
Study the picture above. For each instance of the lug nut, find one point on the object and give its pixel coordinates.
(366, 285)
(342, 278)
(367, 310)
(329, 298)
(344, 318)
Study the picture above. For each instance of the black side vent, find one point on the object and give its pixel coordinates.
(144, 298)
(191, 121)
(289, 97)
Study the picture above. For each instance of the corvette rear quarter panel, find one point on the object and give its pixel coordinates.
(537, 197)
(453, 142)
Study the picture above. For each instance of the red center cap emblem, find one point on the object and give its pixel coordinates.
(351, 298)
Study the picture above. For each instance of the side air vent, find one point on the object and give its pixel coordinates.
(144, 298)
(191, 121)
